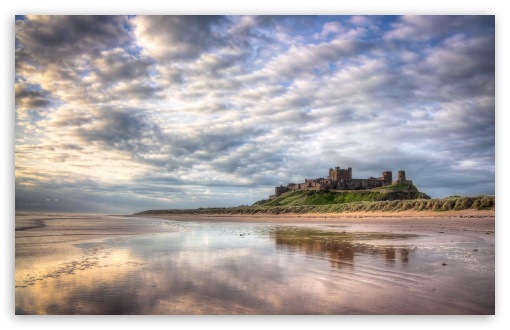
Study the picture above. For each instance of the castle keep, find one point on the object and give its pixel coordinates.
(341, 179)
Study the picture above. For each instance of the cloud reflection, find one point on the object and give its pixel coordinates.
(340, 248)
(252, 269)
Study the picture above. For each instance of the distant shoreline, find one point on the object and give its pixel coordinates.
(307, 217)
(414, 207)
(480, 223)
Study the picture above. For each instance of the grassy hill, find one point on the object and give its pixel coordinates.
(391, 198)
(307, 197)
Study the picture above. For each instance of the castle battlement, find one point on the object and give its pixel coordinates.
(341, 179)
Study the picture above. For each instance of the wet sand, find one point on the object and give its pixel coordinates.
(476, 222)
(50, 237)
(356, 263)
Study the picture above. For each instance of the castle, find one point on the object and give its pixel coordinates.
(341, 179)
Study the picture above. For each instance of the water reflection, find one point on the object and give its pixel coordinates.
(340, 248)
(225, 268)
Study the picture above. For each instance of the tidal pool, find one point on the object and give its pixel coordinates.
(240, 268)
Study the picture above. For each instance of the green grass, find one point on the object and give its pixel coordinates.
(308, 197)
(293, 206)
(399, 186)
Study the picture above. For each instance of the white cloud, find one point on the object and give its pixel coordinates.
(156, 106)
(359, 20)
(330, 28)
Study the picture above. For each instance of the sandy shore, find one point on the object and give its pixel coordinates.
(334, 216)
(331, 217)
(89, 264)
(57, 235)
(476, 222)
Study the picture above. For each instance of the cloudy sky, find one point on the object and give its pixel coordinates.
(127, 113)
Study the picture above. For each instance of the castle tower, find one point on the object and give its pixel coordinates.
(278, 191)
(401, 176)
(338, 174)
(388, 176)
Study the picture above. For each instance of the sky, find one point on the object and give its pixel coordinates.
(128, 113)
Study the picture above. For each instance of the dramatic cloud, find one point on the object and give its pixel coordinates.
(122, 114)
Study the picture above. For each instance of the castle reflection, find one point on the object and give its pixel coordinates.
(340, 248)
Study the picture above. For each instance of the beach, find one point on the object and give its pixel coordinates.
(474, 221)
(355, 263)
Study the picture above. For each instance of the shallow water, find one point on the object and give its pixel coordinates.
(240, 268)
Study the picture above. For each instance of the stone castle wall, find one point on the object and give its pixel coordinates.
(341, 179)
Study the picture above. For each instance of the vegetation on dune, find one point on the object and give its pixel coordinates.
(398, 186)
(308, 197)
(294, 198)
